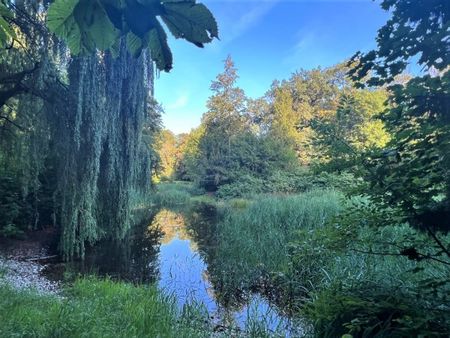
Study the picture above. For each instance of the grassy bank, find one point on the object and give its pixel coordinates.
(175, 194)
(104, 308)
(98, 308)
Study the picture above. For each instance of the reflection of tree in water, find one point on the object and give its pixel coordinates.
(137, 259)
(234, 301)
(132, 259)
(170, 224)
(202, 221)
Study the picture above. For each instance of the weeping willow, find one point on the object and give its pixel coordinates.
(78, 138)
(105, 161)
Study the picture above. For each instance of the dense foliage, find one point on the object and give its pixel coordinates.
(413, 173)
(76, 151)
(314, 120)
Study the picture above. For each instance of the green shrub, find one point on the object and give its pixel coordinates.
(358, 281)
(245, 186)
(375, 311)
(12, 208)
(25, 206)
(285, 181)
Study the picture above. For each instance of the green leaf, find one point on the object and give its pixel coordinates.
(134, 44)
(193, 22)
(139, 18)
(5, 12)
(114, 10)
(6, 31)
(95, 25)
(87, 25)
(60, 20)
(115, 49)
(60, 17)
(159, 49)
(84, 25)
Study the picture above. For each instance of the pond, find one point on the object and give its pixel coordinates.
(176, 250)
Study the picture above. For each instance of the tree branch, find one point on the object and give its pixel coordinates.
(438, 241)
(422, 256)
(12, 122)
(18, 77)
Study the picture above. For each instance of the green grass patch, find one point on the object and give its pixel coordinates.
(173, 194)
(204, 199)
(98, 308)
(95, 307)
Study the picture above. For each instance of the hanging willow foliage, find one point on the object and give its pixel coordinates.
(83, 156)
(104, 161)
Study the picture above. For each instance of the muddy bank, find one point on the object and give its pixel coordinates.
(23, 262)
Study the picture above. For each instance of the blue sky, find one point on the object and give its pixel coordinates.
(268, 40)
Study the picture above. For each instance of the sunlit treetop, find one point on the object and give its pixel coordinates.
(90, 25)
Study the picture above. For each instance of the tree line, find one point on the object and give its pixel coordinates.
(365, 126)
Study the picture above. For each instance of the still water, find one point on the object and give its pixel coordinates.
(174, 251)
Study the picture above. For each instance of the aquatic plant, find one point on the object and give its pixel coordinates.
(252, 243)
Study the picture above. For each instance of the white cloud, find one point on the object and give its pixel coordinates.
(250, 18)
(180, 102)
(242, 16)
(301, 50)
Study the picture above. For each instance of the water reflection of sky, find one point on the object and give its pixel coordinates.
(183, 274)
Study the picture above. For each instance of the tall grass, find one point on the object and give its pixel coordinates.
(253, 242)
(337, 272)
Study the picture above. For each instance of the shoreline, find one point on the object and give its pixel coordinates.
(21, 266)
